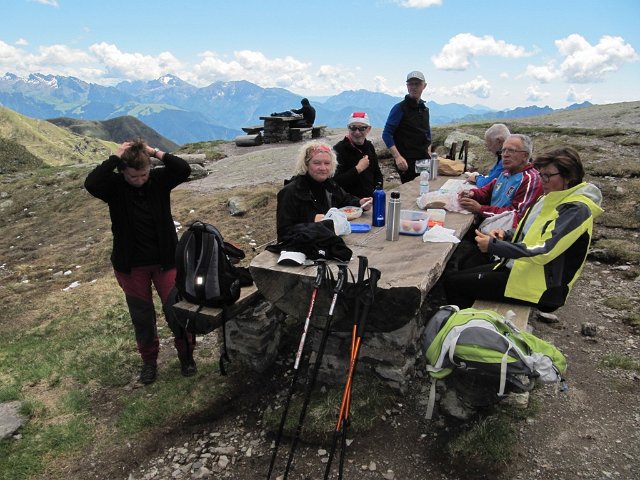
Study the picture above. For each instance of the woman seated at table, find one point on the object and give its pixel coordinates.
(308, 196)
(543, 258)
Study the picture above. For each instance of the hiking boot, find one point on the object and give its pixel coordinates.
(188, 368)
(148, 373)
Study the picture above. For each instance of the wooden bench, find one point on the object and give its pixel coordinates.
(299, 134)
(319, 131)
(253, 130)
(522, 312)
(214, 315)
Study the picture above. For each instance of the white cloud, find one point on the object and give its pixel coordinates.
(535, 95)
(60, 55)
(574, 96)
(21, 42)
(585, 63)
(249, 65)
(478, 87)
(50, 3)
(418, 3)
(544, 73)
(134, 66)
(54, 59)
(457, 53)
(504, 75)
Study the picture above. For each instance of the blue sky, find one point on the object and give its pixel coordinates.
(497, 53)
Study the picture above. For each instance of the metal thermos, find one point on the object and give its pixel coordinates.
(433, 167)
(379, 205)
(393, 217)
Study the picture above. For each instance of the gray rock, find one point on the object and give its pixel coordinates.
(589, 329)
(236, 206)
(10, 419)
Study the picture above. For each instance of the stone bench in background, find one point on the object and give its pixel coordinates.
(299, 134)
(319, 131)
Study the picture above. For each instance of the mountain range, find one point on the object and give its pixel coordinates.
(184, 113)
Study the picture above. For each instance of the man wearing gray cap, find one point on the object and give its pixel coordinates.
(407, 132)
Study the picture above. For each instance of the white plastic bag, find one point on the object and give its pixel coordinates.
(340, 223)
(503, 221)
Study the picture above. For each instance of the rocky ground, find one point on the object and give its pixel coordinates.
(592, 431)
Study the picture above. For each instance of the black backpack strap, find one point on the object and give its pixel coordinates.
(224, 356)
(192, 316)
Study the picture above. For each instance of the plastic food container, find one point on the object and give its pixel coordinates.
(436, 216)
(413, 222)
(352, 212)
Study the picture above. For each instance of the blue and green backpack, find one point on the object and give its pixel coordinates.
(484, 342)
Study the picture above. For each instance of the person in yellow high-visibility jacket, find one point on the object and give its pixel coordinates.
(542, 259)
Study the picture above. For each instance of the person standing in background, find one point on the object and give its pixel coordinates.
(358, 170)
(407, 132)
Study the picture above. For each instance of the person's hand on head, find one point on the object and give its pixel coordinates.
(121, 149)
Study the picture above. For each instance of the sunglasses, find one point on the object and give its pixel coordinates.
(354, 128)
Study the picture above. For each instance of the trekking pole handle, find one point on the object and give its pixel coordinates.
(374, 276)
(363, 263)
(322, 271)
(342, 278)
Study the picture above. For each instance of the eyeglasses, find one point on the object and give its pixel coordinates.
(545, 177)
(354, 128)
(511, 151)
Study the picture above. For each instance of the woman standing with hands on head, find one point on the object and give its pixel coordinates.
(542, 259)
(358, 170)
(144, 242)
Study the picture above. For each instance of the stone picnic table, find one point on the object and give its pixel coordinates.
(409, 269)
(278, 129)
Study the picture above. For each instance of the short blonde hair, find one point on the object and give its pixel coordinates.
(307, 151)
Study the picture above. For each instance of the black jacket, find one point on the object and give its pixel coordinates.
(297, 205)
(108, 185)
(359, 184)
(413, 134)
(308, 114)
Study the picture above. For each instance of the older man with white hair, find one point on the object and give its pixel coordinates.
(494, 137)
(516, 188)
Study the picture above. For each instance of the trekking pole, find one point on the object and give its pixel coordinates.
(322, 271)
(340, 281)
(343, 415)
(362, 270)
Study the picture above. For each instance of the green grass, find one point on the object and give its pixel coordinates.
(370, 399)
(210, 149)
(619, 303)
(490, 439)
(620, 361)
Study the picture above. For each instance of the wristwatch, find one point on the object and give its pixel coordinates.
(155, 152)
